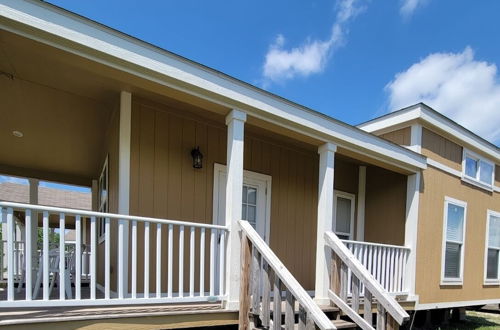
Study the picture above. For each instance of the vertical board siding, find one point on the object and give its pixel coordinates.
(385, 208)
(441, 149)
(164, 184)
(401, 136)
(437, 185)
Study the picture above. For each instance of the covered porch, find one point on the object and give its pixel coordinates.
(164, 230)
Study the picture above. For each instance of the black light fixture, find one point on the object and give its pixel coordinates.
(197, 157)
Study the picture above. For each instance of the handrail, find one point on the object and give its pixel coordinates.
(109, 215)
(287, 278)
(376, 244)
(388, 302)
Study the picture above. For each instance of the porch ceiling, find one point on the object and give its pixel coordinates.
(61, 114)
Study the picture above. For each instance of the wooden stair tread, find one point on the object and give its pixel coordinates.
(324, 308)
(343, 324)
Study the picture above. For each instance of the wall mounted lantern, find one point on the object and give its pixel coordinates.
(197, 157)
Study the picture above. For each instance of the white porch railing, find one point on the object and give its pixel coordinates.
(19, 259)
(389, 313)
(386, 263)
(194, 269)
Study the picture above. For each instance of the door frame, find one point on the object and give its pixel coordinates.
(249, 175)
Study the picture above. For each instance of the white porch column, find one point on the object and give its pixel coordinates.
(124, 189)
(325, 219)
(33, 198)
(235, 122)
(411, 229)
(360, 223)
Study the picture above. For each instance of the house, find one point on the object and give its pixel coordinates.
(213, 199)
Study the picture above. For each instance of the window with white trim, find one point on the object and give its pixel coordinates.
(492, 259)
(477, 169)
(343, 221)
(102, 197)
(453, 243)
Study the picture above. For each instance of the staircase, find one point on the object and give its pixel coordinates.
(264, 279)
(333, 313)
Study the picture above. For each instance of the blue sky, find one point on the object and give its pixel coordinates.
(351, 59)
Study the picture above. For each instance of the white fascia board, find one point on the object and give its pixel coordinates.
(104, 45)
(421, 112)
(391, 120)
(456, 304)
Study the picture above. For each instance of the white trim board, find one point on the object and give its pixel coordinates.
(109, 47)
(453, 304)
(486, 281)
(432, 117)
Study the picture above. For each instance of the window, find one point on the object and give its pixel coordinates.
(492, 258)
(102, 196)
(343, 220)
(477, 170)
(454, 237)
(249, 207)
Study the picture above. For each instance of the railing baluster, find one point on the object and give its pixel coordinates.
(254, 281)
(181, 261)
(202, 262)
(368, 307)
(277, 303)
(355, 293)
(28, 255)
(289, 311)
(380, 317)
(134, 260)
(121, 269)
(146, 259)
(246, 262)
(302, 318)
(266, 294)
(107, 258)
(46, 255)
(158, 260)
(93, 256)
(343, 281)
(222, 254)
(78, 262)
(10, 254)
(212, 262)
(191, 262)
(170, 259)
(62, 257)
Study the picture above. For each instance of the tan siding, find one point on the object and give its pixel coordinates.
(385, 209)
(401, 136)
(441, 149)
(164, 183)
(437, 185)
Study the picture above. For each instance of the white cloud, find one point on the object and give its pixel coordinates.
(409, 6)
(311, 57)
(455, 84)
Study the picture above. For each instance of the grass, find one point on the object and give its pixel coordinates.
(476, 321)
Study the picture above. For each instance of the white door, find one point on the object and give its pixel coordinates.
(256, 204)
(256, 199)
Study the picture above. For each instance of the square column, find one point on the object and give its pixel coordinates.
(325, 219)
(125, 129)
(235, 122)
